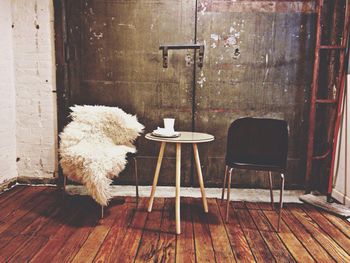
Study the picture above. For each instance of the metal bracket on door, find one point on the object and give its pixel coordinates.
(165, 49)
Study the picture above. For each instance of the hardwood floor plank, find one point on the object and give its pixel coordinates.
(293, 244)
(25, 197)
(220, 240)
(147, 250)
(97, 236)
(12, 240)
(239, 244)
(252, 205)
(310, 244)
(68, 208)
(45, 227)
(265, 206)
(267, 231)
(92, 244)
(256, 242)
(85, 223)
(328, 227)
(11, 247)
(327, 242)
(30, 248)
(166, 247)
(124, 216)
(126, 247)
(21, 218)
(237, 205)
(185, 246)
(203, 241)
(342, 224)
(64, 230)
(47, 217)
(14, 191)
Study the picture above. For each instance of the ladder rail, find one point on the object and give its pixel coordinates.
(340, 83)
(314, 88)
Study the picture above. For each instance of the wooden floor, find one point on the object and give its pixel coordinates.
(40, 224)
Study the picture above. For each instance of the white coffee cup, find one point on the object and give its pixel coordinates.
(169, 124)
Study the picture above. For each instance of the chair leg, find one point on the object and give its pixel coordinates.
(224, 184)
(64, 183)
(136, 181)
(281, 203)
(228, 195)
(271, 191)
(102, 214)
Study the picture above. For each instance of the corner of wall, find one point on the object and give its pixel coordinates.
(35, 85)
(8, 168)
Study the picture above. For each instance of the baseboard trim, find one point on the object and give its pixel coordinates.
(341, 197)
(8, 184)
(36, 181)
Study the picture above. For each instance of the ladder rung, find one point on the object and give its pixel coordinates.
(320, 157)
(331, 47)
(326, 101)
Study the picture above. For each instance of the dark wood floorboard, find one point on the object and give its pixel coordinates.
(239, 244)
(148, 250)
(290, 240)
(166, 247)
(41, 224)
(317, 233)
(185, 245)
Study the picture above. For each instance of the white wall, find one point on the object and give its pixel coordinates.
(33, 49)
(7, 97)
(27, 90)
(341, 188)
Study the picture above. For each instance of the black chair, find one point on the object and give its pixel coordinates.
(257, 144)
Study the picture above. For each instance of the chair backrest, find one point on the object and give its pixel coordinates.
(258, 141)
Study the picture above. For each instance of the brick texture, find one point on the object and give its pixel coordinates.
(33, 55)
(7, 97)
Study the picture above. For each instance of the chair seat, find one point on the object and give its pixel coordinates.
(256, 166)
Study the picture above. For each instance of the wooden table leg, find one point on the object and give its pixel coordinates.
(200, 177)
(156, 175)
(177, 195)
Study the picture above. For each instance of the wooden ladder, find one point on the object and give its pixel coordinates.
(336, 101)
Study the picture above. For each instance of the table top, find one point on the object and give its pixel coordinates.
(185, 137)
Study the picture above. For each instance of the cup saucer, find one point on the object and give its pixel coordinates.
(165, 133)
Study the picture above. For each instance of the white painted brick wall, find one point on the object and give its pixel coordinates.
(7, 97)
(33, 45)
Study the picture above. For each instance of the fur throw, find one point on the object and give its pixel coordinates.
(94, 145)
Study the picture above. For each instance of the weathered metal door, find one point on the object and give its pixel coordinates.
(114, 60)
(258, 60)
(258, 63)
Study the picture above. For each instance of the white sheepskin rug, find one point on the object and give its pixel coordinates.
(94, 145)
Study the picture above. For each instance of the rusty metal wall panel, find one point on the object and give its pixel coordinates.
(118, 63)
(258, 62)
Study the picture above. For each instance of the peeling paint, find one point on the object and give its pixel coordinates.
(188, 60)
(203, 7)
(230, 41)
(98, 35)
(215, 37)
(201, 80)
(131, 26)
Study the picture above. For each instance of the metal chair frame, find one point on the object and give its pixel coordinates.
(228, 179)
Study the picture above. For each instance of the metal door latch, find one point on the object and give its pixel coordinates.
(165, 49)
